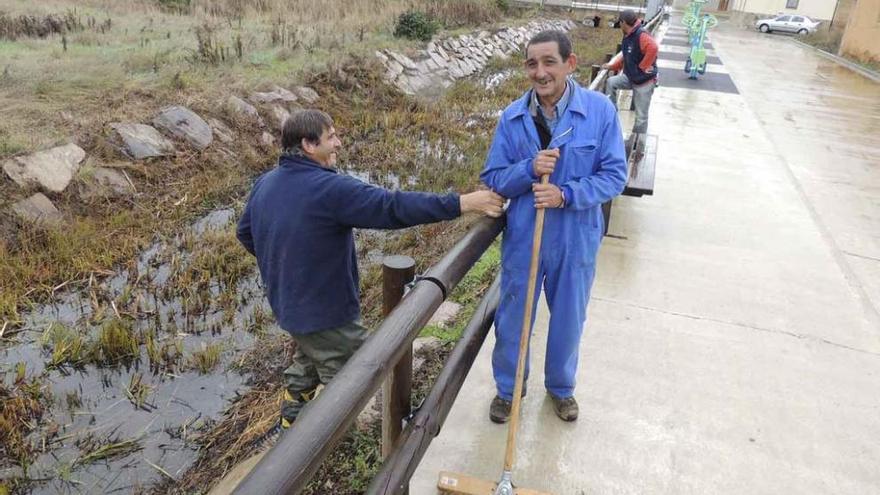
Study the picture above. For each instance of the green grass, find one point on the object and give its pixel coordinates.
(66, 346)
(468, 293)
(163, 354)
(109, 451)
(207, 358)
(138, 391)
(116, 343)
(352, 465)
(21, 407)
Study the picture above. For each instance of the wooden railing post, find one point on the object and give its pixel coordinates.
(397, 271)
(393, 478)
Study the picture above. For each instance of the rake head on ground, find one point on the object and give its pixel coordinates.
(462, 484)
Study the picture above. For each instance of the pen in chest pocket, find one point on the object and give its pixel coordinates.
(550, 145)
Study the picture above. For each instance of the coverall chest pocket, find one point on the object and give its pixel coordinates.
(584, 149)
(580, 157)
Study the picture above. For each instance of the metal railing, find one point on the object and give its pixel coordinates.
(387, 355)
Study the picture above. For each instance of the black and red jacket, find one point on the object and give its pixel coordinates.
(639, 61)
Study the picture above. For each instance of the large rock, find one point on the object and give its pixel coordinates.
(443, 53)
(403, 60)
(277, 93)
(445, 314)
(185, 124)
(106, 182)
(51, 169)
(221, 130)
(438, 60)
(142, 141)
(306, 94)
(394, 68)
(241, 107)
(279, 116)
(38, 209)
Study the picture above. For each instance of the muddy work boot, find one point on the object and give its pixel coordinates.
(566, 409)
(499, 410)
(294, 403)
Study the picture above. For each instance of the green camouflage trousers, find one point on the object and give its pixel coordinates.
(319, 356)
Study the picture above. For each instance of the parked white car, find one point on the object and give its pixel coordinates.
(799, 24)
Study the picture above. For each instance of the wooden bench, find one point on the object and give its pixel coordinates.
(641, 159)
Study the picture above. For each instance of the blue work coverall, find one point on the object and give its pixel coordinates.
(591, 170)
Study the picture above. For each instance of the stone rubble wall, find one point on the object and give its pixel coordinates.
(444, 61)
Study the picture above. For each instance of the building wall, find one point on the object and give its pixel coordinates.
(841, 15)
(861, 38)
(817, 9)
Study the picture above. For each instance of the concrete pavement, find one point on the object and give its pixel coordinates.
(733, 339)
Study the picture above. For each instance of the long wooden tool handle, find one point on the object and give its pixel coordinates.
(524, 336)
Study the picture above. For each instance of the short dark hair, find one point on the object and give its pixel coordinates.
(552, 35)
(304, 124)
(629, 16)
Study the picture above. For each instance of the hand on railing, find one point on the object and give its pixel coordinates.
(488, 203)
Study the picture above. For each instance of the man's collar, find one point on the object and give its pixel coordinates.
(559, 106)
(575, 104)
(296, 157)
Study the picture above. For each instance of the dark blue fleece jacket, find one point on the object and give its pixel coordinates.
(298, 223)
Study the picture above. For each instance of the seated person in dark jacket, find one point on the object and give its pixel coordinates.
(298, 223)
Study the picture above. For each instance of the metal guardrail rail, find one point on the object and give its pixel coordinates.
(291, 463)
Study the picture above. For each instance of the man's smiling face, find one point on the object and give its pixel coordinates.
(548, 71)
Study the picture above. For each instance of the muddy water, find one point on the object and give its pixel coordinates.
(91, 406)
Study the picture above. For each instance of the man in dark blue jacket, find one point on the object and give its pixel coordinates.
(298, 223)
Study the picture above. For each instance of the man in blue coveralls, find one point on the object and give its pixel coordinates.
(298, 223)
(572, 134)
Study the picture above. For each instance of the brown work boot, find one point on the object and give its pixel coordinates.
(499, 410)
(566, 409)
